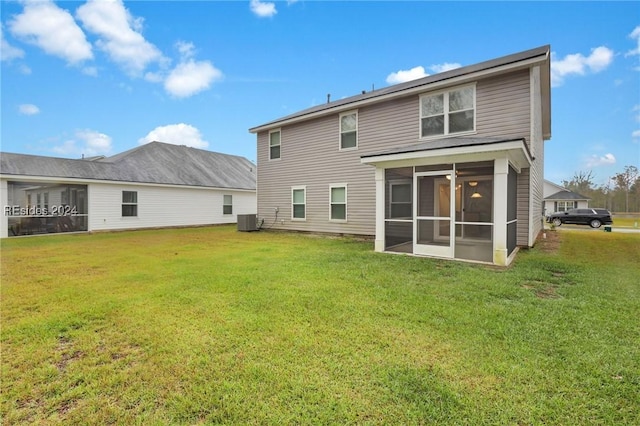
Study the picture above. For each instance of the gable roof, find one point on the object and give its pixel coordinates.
(539, 55)
(155, 162)
(566, 195)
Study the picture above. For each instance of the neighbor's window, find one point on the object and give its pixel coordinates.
(46, 200)
(227, 204)
(298, 202)
(401, 200)
(349, 130)
(448, 112)
(338, 202)
(129, 203)
(564, 206)
(274, 145)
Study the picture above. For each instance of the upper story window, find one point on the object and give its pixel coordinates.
(448, 113)
(129, 203)
(274, 144)
(349, 130)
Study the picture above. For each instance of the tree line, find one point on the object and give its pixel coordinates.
(620, 194)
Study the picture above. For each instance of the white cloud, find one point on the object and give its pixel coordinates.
(599, 59)
(636, 112)
(92, 71)
(191, 77)
(419, 72)
(85, 143)
(595, 160)
(444, 67)
(635, 35)
(177, 134)
(119, 34)
(635, 134)
(406, 75)
(186, 50)
(263, 9)
(28, 109)
(53, 30)
(8, 52)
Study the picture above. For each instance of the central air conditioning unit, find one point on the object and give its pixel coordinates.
(247, 222)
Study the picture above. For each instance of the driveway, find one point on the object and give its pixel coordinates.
(566, 227)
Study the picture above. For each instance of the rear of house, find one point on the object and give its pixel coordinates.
(450, 165)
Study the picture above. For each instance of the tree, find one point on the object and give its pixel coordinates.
(580, 183)
(624, 182)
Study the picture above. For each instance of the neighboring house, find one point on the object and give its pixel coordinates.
(560, 199)
(153, 185)
(449, 165)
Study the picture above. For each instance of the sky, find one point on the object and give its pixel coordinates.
(100, 77)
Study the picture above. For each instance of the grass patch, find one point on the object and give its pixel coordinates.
(208, 325)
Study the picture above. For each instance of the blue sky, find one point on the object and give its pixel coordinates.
(101, 77)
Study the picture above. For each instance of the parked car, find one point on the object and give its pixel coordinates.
(592, 217)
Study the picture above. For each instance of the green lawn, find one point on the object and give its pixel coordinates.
(209, 325)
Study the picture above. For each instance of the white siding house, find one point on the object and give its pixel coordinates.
(152, 186)
(559, 199)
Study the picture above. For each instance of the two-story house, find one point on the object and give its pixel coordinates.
(449, 165)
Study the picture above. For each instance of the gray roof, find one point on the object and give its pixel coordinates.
(155, 162)
(542, 51)
(455, 142)
(566, 195)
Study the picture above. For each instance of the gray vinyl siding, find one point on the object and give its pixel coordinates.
(503, 106)
(522, 238)
(310, 154)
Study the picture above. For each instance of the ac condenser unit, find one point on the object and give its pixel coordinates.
(247, 222)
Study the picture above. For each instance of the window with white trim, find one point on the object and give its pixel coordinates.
(129, 203)
(298, 202)
(349, 130)
(274, 144)
(448, 113)
(227, 204)
(564, 206)
(338, 202)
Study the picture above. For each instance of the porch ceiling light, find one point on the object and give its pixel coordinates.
(476, 195)
(473, 183)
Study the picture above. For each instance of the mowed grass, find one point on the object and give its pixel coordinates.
(214, 326)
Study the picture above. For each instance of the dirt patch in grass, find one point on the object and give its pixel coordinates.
(542, 289)
(68, 354)
(549, 241)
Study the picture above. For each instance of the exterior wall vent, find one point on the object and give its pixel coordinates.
(247, 222)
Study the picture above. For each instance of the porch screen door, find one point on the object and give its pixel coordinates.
(434, 205)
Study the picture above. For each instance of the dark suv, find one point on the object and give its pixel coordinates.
(592, 217)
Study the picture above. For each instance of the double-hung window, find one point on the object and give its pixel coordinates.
(564, 206)
(338, 202)
(448, 113)
(129, 203)
(274, 144)
(349, 130)
(298, 202)
(227, 204)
